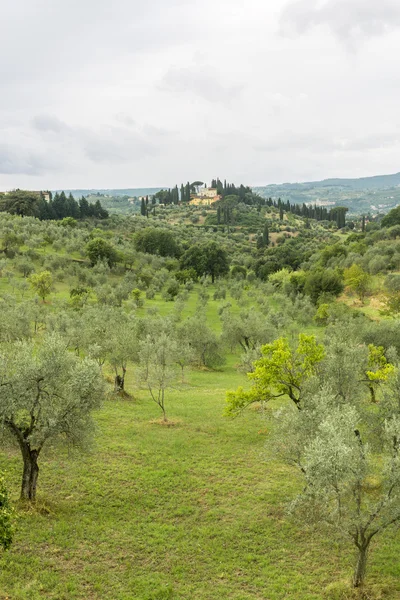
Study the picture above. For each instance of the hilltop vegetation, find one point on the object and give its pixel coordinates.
(366, 195)
(371, 196)
(122, 335)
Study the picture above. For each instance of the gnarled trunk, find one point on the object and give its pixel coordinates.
(361, 566)
(372, 392)
(30, 473)
(119, 381)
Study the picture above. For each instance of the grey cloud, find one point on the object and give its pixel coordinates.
(347, 19)
(49, 123)
(115, 145)
(371, 142)
(200, 81)
(125, 119)
(61, 39)
(157, 132)
(109, 94)
(328, 143)
(104, 144)
(16, 161)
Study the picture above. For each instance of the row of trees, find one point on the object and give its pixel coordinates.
(32, 204)
(319, 213)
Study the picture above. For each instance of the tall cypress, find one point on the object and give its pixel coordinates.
(265, 235)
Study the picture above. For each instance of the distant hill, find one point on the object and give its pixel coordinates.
(362, 183)
(365, 195)
(131, 192)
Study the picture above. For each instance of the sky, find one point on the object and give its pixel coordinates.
(101, 94)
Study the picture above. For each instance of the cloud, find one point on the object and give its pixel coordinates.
(14, 160)
(125, 119)
(114, 145)
(106, 144)
(326, 143)
(129, 93)
(49, 123)
(201, 81)
(348, 20)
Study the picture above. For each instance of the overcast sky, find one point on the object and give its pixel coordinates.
(131, 93)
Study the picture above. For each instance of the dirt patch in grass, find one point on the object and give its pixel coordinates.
(168, 423)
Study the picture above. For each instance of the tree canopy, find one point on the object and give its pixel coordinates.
(46, 392)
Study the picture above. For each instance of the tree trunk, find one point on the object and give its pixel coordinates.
(119, 381)
(359, 571)
(163, 406)
(30, 474)
(372, 392)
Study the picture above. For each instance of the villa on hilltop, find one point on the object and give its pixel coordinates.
(205, 197)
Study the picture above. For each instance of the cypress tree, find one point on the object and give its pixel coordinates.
(265, 235)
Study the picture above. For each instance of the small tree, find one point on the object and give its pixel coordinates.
(281, 371)
(378, 369)
(358, 280)
(42, 283)
(157, 356)
(101, 250)
(206, 259)
(391, 304)
(349, 487)
(205, 346)
(123, 347)
(46, 392)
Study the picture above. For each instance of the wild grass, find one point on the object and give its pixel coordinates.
(191, 511)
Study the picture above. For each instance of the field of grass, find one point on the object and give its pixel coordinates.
(194, 510)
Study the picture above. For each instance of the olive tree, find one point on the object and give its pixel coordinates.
(281, 371)
(157, 360)
(351, 484)
(123, 347)
(204, 344)
(46, 392)
(42, 283)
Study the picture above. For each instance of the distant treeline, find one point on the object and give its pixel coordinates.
(34, 204)
(320, 213)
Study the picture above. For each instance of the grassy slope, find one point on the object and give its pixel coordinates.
(190, 511)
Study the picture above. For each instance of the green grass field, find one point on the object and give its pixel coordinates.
(194, 510)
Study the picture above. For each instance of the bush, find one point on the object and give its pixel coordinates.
(392, 282)
(323, 281)
(171, 291)
(101, 250)
(157, 241)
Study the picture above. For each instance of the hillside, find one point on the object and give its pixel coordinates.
(173, 498)
(366, 195)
